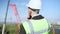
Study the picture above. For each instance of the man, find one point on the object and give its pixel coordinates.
(36, 24)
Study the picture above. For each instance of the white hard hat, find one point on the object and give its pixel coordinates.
(34, 4)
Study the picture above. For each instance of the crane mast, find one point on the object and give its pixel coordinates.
(17, 17)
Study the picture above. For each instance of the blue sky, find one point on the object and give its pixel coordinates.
(50, 10)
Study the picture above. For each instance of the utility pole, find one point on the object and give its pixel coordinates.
(4, 24)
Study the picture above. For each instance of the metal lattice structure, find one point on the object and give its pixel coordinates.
(17, 18)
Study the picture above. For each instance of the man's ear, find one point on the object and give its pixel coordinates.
(29, 17)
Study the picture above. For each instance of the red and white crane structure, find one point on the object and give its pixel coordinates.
(17, 17)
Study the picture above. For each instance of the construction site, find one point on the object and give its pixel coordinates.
(14, 25)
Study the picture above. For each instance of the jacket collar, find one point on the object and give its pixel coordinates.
(37, 17)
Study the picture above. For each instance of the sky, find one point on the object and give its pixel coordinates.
(50, 10)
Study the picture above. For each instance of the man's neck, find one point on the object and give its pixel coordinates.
(35, 15)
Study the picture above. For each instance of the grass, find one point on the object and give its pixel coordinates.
(10, 29)
(0, 28)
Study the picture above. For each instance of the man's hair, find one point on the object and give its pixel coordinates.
(35, 10)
